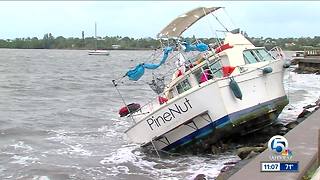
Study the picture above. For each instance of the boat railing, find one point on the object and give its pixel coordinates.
(277, 53)
(311, 52)
(146, 109)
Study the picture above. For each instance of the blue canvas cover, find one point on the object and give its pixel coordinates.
(136, 73)
(201, 47)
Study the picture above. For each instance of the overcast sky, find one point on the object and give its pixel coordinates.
(140, 19)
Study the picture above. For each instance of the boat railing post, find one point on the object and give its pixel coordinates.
(155, 148)
(115, 85)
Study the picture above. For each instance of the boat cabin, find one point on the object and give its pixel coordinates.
(214, 66)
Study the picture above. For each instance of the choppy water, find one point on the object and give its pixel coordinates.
(58, 119)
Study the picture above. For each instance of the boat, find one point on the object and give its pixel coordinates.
(96, 51)
(234, 88)
(99, 52)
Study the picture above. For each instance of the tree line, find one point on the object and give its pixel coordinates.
(50, 42)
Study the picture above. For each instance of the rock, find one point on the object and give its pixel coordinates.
(283, 131)
(304, 113)
(214, 149)
(278, 124)
(318, 102)
(292, 125)
(165, 165)
(230, 171)
(245, 151)
(252, 154)
(306, 70)
(309, 106)
(230, 163)
(299, 120)
(219, 147)
(200, 177)
(226, 168)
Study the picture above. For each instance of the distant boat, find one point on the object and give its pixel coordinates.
(99, 52)
(95, 51)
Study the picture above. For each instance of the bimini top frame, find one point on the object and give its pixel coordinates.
(184, 21)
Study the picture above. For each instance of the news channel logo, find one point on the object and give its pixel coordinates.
(280, 147)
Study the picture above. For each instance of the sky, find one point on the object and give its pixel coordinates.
(141, 19)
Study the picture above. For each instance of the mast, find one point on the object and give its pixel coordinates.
(95, 36)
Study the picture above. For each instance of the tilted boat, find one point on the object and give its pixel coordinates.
(233, 88)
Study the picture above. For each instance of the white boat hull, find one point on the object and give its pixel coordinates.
(212, 109)
(99, 52)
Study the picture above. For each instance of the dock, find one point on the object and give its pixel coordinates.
(303, 142)
(307, 59)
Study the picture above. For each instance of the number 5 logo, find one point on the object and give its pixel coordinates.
(278, 144)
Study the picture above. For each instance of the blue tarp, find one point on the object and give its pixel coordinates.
(136, 73)
(198, 47)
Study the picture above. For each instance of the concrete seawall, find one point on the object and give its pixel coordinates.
(303, 142)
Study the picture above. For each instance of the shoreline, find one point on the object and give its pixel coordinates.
(248, 154)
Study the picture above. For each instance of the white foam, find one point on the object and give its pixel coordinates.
(108, 132)
(209, 167)
(22, 146)
(77, 149)
(123, 169)
(23, 160)
(73, 147)
(309, 84)
(40, 178)
(178, 168)
(121, 156)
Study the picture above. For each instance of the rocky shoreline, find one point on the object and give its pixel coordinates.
(307, 70)
(249, 147)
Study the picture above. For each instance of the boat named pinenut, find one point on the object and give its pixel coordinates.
(217, 91)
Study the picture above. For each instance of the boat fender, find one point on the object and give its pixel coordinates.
(266, 70)
(130, 108)
(227, 70)
(286, 64)
(235, 88)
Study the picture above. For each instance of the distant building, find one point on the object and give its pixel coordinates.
(116, 46)
(289, 44)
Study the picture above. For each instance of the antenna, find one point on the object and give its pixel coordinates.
(220, 22)
(95, 29)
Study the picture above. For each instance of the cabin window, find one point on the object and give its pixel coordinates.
(216, 69)
(199, 71)
(170, 94)
(249, 57)
(183, 86)
(263, 55)
(203, 74)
